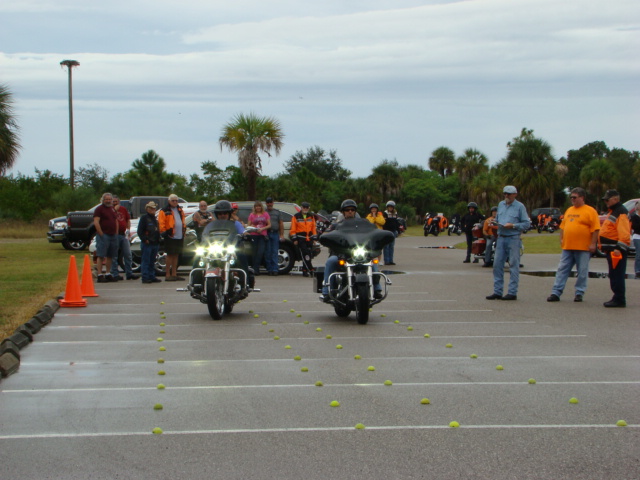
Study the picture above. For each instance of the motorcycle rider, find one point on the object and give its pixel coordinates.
(303, 233)
(348, 209)
(222, 211)
(490, 232)
(468, 221)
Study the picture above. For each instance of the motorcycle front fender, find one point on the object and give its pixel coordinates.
(362, 278)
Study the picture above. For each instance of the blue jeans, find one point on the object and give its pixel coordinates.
(488, 248)
(124, 249)
(507, 248)
(147, 264)
(259, 244)
(636, 266)
(271, 252)
(388, 252)
(332, 265)
(569, 258)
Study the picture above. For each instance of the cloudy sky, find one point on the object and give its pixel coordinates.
(372, 79)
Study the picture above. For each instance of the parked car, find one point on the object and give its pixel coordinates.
(57, 226)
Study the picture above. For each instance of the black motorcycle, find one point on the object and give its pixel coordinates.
(218, 281)
(357, 243)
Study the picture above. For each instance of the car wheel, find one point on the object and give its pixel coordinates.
(161, 262)
(286, 259)
(75, 244)
(136, 263)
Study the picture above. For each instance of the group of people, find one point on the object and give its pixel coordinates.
(580, 234)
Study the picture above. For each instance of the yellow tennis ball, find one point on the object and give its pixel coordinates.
(335, 403)
(304, 369)
(339, 347)
(318, 329)
(319, 383)
(157, 406)
(276, 338)
(532, 381)
(256, 316)
(160, 339)
(448, 345)
(162, 324)
(297, 357)
(271, 330)
(499, 367)
(292, 311)
(383, 315)
(264, 322)
(357, 357)
(573, 400)
(161, 313)
(156, 431)
(621, 423)
(284, 301)
(388, 383)
(328, 337)
(409, 328)
(162, 349)
(161, 360)
(473, 355)
(161, 303)
(454, 424)
(396, 321)
(426, 335)
(359, 426)
(161, 331)
(287, 347)
(425, 401)
(371, 368)
(161, 372)
(163, 316)
(298, 315)
(160, 386)
(306, 322)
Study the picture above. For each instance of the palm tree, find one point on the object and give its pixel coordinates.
(530, 166)
(9, 139)
(468, 166)
(387, 177)
(248, 135)
(597, 177)
(442, 160)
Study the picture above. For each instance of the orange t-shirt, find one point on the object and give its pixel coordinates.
(578, 225)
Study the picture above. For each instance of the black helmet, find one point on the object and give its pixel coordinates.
(223, 206)
(374, 205)
(472, 204)
(305, 204)
(348, 204)
(494, 209)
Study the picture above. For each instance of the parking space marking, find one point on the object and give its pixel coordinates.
(305, 429)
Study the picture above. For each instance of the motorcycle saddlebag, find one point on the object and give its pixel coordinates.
(478, 246)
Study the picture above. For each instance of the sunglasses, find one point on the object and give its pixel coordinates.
(573, 198)
(349, 209)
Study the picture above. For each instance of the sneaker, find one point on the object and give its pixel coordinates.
(133, 276)
(577, 298)
(555, 298)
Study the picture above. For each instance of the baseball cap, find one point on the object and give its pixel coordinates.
(269, 200)
(610, 193)
(509, 189)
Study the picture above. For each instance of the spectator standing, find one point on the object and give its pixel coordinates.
(259, 219)
(172, 229)
(512, 219)
(635, 226)
(123, 240)
(375, 216)
(578, 240)
(106, 223)
(615, 239)
(202, 218)
(392, 225)
(274, 236)
(303, 233)
(490, 232)
(468, 221)
(149, 234)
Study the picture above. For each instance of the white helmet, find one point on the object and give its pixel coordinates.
(391, 203)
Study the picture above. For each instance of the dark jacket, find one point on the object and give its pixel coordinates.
(149, 230)
(469, 220)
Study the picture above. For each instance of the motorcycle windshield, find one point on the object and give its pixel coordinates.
(356, 232)
(220, 231)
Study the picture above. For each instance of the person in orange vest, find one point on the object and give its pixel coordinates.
(172, 229)
(303, 233)
(490, 233)
(615, 239)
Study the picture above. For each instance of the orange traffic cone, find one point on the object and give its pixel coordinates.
(616, 256)
(86, 286)
(72, 296)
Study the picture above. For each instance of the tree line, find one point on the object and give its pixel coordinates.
(446, 183)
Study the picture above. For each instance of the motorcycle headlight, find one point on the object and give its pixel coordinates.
(216, 250)
(231, 250)
(359, 253)
(200, 251)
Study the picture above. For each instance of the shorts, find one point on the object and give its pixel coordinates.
(107, 245)
(173, 246)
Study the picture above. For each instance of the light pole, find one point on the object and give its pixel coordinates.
(70, 64)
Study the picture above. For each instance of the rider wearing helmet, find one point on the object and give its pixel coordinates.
(348, 214)
(303, 233)
(375, 215)
(391, 224)
(468, 221)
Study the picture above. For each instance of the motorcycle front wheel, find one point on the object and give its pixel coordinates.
(362, 304)
(215, 297)
(342, 311)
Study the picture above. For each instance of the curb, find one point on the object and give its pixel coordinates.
(22, 337)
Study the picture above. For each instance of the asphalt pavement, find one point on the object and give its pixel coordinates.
(236, 404)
